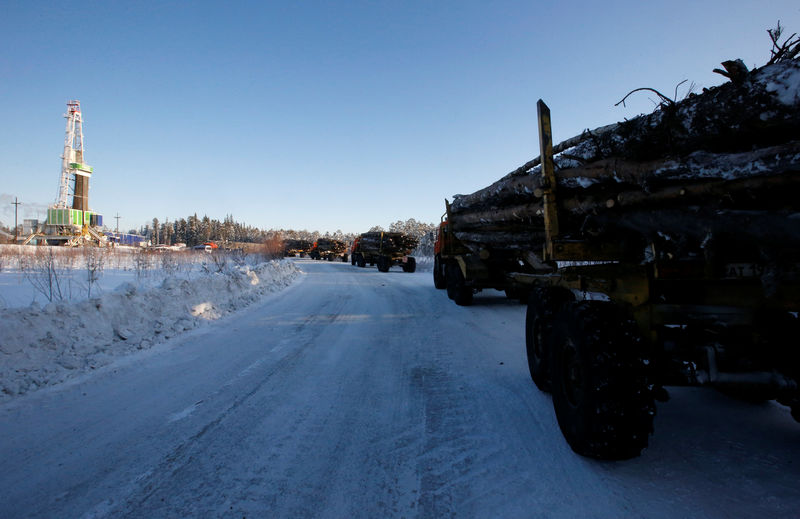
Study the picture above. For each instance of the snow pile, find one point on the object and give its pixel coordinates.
(42, 346)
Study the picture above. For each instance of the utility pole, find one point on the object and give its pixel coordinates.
(16, 204)
(117, 217)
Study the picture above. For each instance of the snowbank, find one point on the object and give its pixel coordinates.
(42, 346)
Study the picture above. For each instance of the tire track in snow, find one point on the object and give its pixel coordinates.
(175, 463)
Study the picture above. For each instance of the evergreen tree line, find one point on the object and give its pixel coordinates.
(194, 231)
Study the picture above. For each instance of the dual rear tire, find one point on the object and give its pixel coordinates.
(543, 305)
(457, 289)
(439, 280)
(590, 355)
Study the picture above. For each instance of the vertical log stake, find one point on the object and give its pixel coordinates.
(548, 178)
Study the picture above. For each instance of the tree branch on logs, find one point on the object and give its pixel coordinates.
(787, 50)
(664, 99)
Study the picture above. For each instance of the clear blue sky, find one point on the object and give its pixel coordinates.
(338, 114)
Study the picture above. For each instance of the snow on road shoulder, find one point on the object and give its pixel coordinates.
(42, 346)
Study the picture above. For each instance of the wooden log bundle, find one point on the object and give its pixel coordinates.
(296, 245)
(335, 246)
(685, 169)
(387, 242)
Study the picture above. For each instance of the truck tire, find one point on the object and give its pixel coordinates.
(457, 290)
(353, 260)
(544, 304)
(383, 264)
(438, 273)
(344, 258)
(361, 261)
(601, 396)
(410, 265)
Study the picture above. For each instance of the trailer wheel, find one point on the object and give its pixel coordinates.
(383, 264)
(543, 305)
(410, 265)
(344, 258)
(438, 273)
(457, 290)
(600, 387)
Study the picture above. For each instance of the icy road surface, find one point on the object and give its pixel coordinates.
(360, 394)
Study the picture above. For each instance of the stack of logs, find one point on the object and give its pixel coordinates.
(334, 246)
(726, 160)
(387, 242)
(292, 245)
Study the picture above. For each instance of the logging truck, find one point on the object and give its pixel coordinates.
(464, 272)
(292, 248)
(327, 249)
(384, 249)
(657, 252)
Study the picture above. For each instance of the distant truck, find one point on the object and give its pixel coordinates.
(384, 249)
(661, 251)
(464, 271)
(292, 248)
(328, 249)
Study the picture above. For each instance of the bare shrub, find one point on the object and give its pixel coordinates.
(22, 261)
(9, 254)
(185, 260)
(93, 260)
(238, 256)
(271, 248)
(218, 263)
(46, 275)
(68, 257)
(141, 263)
(169, 263)
(120, 258)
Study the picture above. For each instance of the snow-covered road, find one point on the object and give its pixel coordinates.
(360, 394)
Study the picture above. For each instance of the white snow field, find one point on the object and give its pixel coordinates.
(353, 393)
(128, 308)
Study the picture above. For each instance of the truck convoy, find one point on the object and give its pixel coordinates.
(328, 249)
(384, 249)
(660, 251)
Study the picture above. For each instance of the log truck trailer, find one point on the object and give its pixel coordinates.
(691, 281)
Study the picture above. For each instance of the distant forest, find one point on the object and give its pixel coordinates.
(195, 230)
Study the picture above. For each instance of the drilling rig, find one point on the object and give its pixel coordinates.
(69, 220)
